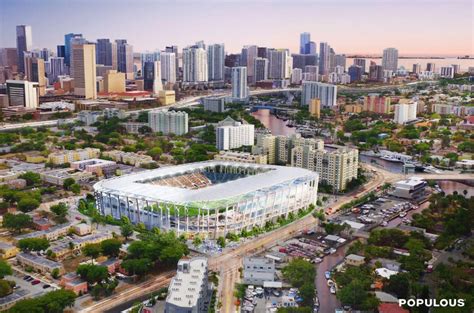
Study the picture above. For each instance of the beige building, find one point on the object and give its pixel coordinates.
(315, 107)
(83, 70)
(128, 157)
(58, 176)
(38, 263)
(167, 97)
(353, 108)
(242, 157)
(7, 250)
(354, 260)
(35, 72)
(69, 156)
(114, 81)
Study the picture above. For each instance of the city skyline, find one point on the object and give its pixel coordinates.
(180, 24)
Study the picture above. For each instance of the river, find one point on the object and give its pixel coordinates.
(276, 126)
(408, 63)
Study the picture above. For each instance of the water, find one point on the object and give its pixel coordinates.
(276, 126)
(408, 63)
(393, 167)
(449, 186)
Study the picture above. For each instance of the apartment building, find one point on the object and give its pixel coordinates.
(241, 157)
(69, 156)
(131, 158)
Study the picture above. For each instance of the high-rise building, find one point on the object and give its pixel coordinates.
(262, 52)
(69, 40)
(214, 104)
(340, 60)
(374, 102)
(311, 73)
(83, 70)
(261, 69)
(174, 49)
(22, 93)
(35, 72)
(45, 54)
(324, 58)
(125, 58)
(302, 60)
(157, 83)
(355, 72)
(168, 122)
(310, 48)
(430, 67)
(240, 90)
(114, 81)
(247, 58)
(447, 72)
(296, 76)
(315, 107)
(106, 53)
(278, 63)
(9, 58)
(168, 67)
(376, 72)
(327, 93)
(215, 62)
(231, 134)
(195, 65)
(24, 43)
(148, 73)
(305, 39)
(360, 62)
(390, 59)
(405, 112)
(61, 51)
(456, 68)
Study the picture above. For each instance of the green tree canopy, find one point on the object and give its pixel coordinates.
(17, 222)
(33, 244)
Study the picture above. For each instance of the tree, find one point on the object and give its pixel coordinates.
(137, 266)
(155, 152)
(5, 269)
(221, 242)
(31, 178)
(197, 241)
(126, 230)
(17, 222)
(27, 205)
(55, 273)
(5, 288)
(304, 309)
(76, 188)
(399, 285)
(92, 250)
(60, 211)
(33, 244)
(68, 182)
(298, 272)
(111, 247)
(92, 273)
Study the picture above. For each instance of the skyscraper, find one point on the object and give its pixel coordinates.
(215, 62)
(195, 64)
(340, 60)
(157, 83)
(168, 122)
(361, 63)
(24, 42)
(174, 49)
(260, 69)
(148, 73)
(324, 58)
(239, 83)
(248, 55)
(416, 68)
(430, 67)
(106, 53)
(60, 51)
(302, 60)
(390, 59)
(56, 68)
(83, 70)
(327, 93)
(22, 93)
(355, 72)
(124, 58)
(310, 48)
(70, 39)
(35, 72)
(168, 67)
(375, 72)
(305, 38)
(9, 58)
(278, 63)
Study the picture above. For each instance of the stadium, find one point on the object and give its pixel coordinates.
(210, 198)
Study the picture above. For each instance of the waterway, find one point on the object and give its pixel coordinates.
(408, 63)
(449, 186)
(276, 126)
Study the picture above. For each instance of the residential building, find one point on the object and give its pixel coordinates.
(215, 62)
(430, 67)
(354, 260)
(311, 73)
(447, 72)
(302, 60)
(58, 176)
(22, 93)
(24, 43)
(296, 76)
(188, 290)
(390, 59)
(71, 281)
(98, 167)
(130, 158)
(405, 112)
(376, 72)
(114, 82)
(167, 97)
(83, 70)
(125, 58)
(231, 134)
(247, 59)
(106, 53)
(315, 108)
(361, 62)
(7, 250)
(82, 229)
(260, 69)
(279, 64)
(416, 68)
(241, 157)
(38, 263)
(69, 156)
(324, 58)
(168, 122)
(195, 65)
(325, 92)
(35, 72)
(355, 72)
(376, 103)
(214, 104)
(168, 67)
(256, 271)
(240, 91)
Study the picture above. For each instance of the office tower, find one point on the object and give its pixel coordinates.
(305, 38)
(390, 59)
(375, 72)
(361, 63)
(339, 69)
(405, 112)
(355, 72)
(324, 58)
(315, 108)
(200, 44)
(9, 58)
(278, 64)
(114, 82)
(311, 73)
(416, 68)
(240, 90)
(247, 58)
(340, 60)
(456, 68)
(195, 65)
(148, 73)
(302, 60)
(310, 48)
(35, 72)
(325, 92)
(262, 52)
(232, 60)
(44, 54)
(56, 69)
(125, 58)
(22, 93)
(61, 51)
(83, 70)
(376, 103)
(214, 104)
(215, 62)
(296, 76)
(430, 67)
(231, 134)
(168, 122)
(70, 39)
(261, 69)
(332, 60)
(168, 67)
(24, 42)
(106, 53)
(174, 49)
(157, 83)
(447, 72)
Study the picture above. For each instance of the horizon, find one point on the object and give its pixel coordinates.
(160, 26)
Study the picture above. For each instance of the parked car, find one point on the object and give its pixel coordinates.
(35, 282)
(327, 274)
(26, 277)
(46, 286)
(333, 290)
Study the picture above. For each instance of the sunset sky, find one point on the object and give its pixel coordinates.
(415, 27)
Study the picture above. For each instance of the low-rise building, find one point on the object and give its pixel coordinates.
(130, 158)
(71, 281)
(256, 271)
(411, 188)
(242, 157)
(38, 263)
(167, 97)
(96, 166)
(7, 250)
(112, 264)
(354, 260)
(82, 229)
(465, 164)
(52, 233)
(69, 156)
(58, 176)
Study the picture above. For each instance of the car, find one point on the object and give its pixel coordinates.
(16, 287)
(332, 250)
(26, 277)
(318, 260)
(35, 282)
(78, 218)
(327, 274)
(330, 283)
(46, 286)
(30, 279)
(333, 290)
(384, 224)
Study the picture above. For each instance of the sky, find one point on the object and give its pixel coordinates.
(415, 27)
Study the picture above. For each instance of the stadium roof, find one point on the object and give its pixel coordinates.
(132, 185)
